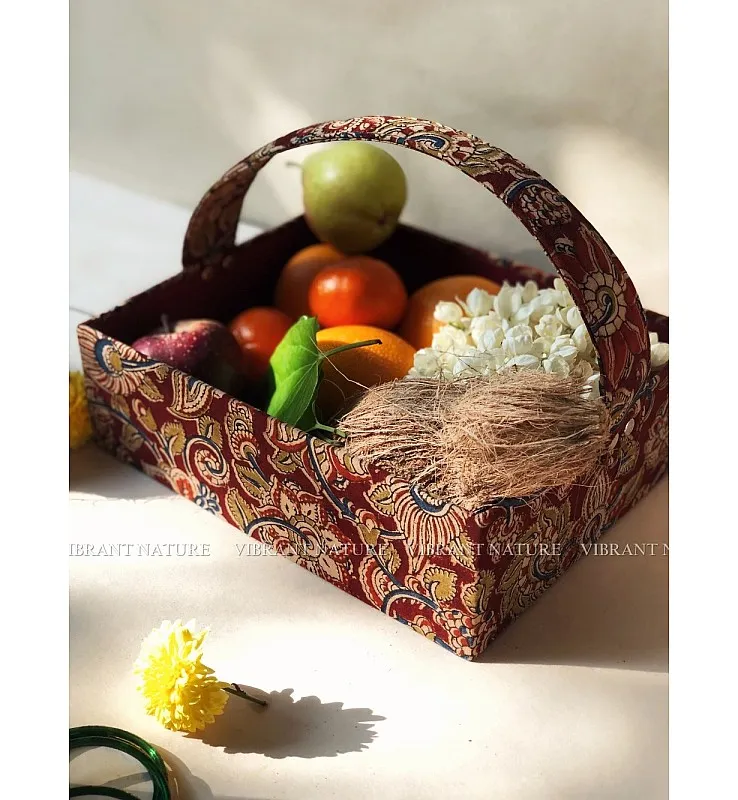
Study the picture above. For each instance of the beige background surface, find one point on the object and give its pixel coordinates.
(167, 94)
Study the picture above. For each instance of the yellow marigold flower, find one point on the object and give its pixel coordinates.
(80, 428)
(180, 691)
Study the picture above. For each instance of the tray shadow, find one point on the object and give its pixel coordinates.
(610, 609)
(95, 473)
(304, 728)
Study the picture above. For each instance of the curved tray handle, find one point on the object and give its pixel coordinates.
(599, 284)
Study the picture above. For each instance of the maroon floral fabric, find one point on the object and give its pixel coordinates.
(457, 576)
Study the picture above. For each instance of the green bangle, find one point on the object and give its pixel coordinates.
(125, 742)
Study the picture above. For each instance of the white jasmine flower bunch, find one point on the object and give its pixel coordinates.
(522, 327)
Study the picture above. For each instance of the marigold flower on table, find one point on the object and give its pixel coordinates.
(181, 692)
(80, 428)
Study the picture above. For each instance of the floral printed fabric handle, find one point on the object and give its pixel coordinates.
(595, 277)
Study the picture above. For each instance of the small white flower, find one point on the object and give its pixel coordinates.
(450, 340)
(556, 365)
(549, 297)
(503, 301)
(538, 310)
(530, 290)
(542, 346)
(562, 340)
(486, 332)
(496, 359)
(490, 340)
(463, 370)
(564, 346)
(522, 327)
(479, 303)
(582, 339)
(516, 300)
(549, 326)
(582, 370)
(594, 382)
(518, 340)
(472, 362)
(659, 354)
(519, 330)
(427, 362)
(566, 298)
(523, 362)
(448, 363)
(522, 315)
(574, 317)
(448, 312)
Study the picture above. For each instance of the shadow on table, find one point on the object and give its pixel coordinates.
(189, 786)
(304, 728)
(93, 472)
(609, 610)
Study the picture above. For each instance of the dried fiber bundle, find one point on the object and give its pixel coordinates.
(474, 439)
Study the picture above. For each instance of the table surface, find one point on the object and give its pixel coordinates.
(570, 702)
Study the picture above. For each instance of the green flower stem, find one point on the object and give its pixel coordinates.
(318, 426)
(351, 346)
(245, 695)
(335, 433)
(325, 428)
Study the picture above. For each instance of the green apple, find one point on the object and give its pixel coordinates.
(353, 193)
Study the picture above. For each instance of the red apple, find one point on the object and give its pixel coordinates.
(203, 348)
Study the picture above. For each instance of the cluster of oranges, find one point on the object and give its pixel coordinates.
(354, 298)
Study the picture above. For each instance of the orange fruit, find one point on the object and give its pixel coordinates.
(258, 331)
(347, 374)
(291, 292)
(358, 291)
(418, 324)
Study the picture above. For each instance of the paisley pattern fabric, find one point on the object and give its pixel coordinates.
(457, 577)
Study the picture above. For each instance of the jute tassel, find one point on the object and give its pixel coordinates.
(476, 439)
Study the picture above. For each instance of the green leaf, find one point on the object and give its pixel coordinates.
(295, 371)
(295, 374)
